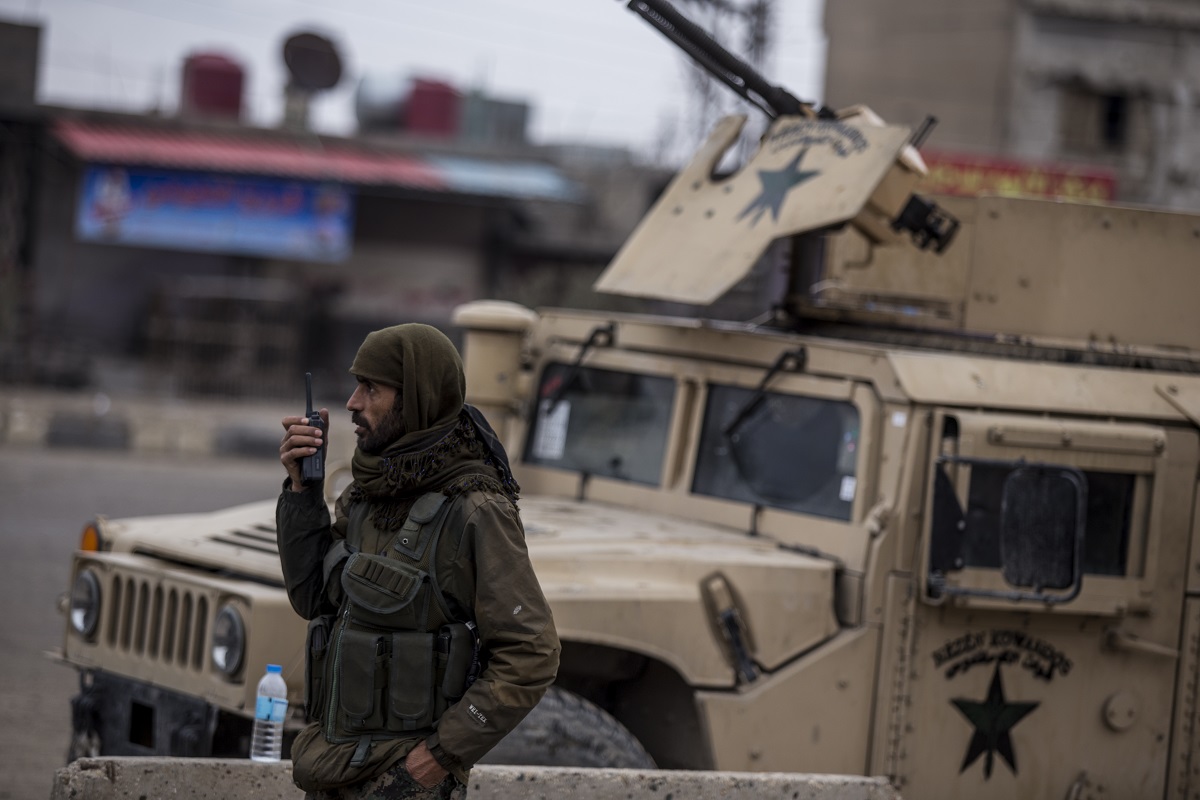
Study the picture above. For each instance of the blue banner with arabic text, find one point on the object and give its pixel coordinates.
(271, 217)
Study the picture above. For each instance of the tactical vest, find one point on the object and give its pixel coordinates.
(396, 655)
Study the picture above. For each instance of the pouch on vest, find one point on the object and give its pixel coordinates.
(459, 644)
(362, 679)
(316, 646)
(413, 672)
(386, 593)
(415, 533)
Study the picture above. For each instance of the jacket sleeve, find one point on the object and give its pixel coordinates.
(519, 644)
(304, 535)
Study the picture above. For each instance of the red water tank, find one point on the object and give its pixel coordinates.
(432, 109)
(212, 86)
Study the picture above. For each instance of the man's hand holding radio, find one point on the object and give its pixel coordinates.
(300, 440)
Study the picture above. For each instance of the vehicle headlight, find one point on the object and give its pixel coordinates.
(85, 603)
(228, 641)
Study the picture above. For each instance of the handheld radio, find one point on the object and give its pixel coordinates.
(312, 468)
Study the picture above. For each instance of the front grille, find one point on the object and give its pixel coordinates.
(166, 624)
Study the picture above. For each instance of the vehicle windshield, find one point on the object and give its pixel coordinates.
(601, 422)
(790, 452)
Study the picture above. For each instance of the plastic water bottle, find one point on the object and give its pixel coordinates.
(266, 742)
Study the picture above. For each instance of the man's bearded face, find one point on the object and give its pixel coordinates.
(376, 433)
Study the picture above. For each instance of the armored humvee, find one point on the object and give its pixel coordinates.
(934, 519)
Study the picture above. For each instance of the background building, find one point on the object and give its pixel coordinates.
(230, 258)
(194, 254)
(1107, 89)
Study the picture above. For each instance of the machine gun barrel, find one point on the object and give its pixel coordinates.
(774, 101)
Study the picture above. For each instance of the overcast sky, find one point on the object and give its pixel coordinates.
(591, 69)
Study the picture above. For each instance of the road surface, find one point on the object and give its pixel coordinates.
(47, 495)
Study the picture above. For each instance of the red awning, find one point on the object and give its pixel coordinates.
(233, 152)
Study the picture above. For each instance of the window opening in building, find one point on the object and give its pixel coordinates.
(1115, 120)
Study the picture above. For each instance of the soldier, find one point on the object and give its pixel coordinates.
(430, 637)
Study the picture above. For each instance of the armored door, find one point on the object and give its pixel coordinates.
(1044, 630)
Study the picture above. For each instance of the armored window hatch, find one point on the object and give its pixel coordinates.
(1040, 512)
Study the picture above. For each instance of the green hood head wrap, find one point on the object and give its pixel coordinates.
(424, 365)
(447, 446)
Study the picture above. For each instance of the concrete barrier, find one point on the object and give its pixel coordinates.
(215, 779)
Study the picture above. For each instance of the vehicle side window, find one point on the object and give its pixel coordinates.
(1109, 510)
(785, 451)
(602, 422)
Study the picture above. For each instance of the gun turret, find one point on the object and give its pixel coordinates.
(930, 226)
(816, 170)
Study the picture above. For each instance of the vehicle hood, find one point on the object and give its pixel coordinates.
(235, 542)
(613, 576)
(632, 579)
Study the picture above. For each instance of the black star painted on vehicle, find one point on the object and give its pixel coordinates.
(775, 186)
(993, 719)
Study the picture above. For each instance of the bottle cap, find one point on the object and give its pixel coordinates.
(274, 668)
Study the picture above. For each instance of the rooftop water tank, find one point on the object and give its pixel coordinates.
(432, 109)
(212, 86)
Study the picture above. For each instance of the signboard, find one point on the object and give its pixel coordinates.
(969, 175)
(177, 210)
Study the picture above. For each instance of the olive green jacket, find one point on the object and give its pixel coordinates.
(482, 565)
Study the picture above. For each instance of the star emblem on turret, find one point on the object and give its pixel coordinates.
(775, 186)
(993, 718)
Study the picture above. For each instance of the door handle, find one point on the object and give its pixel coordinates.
(1131, 643)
